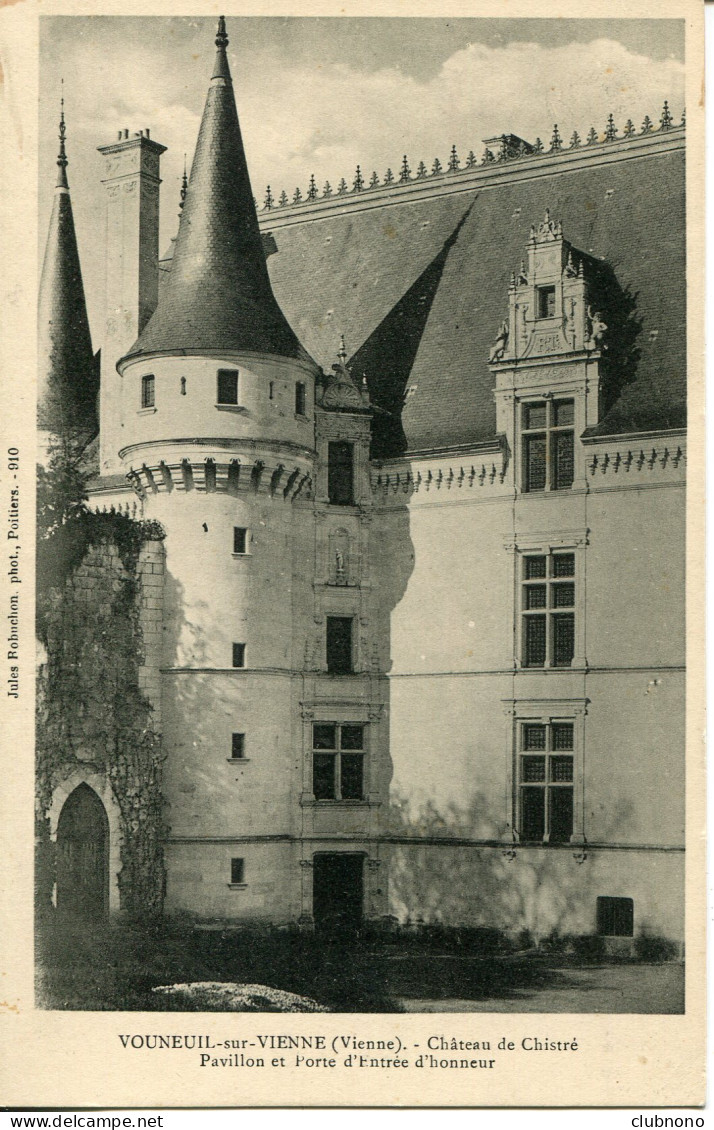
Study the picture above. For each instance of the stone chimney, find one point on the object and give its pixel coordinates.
(131, 179)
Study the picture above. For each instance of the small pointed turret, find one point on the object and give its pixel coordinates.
(67, 371)
(218, 294)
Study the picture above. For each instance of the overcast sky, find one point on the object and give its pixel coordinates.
(324, 94)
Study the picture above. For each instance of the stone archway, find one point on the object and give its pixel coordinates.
(83, 855)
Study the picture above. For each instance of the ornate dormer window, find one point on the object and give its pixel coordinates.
(546, 361)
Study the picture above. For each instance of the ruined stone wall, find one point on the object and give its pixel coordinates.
(100, 596)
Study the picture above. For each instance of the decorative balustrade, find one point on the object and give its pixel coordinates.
(453, 477)
(129, 509)
(633, 459)
(636, 458)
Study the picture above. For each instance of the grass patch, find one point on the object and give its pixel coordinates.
(115, 966)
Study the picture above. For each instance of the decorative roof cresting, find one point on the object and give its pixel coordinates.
(505, 147)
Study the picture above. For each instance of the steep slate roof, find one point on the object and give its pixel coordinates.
(419, 287)
(218, 294)
(68, 377)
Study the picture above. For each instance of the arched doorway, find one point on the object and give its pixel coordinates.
(83, 855)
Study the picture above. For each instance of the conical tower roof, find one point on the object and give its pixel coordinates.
(218, 296)
(67, 371)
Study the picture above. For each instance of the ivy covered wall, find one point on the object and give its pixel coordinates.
(99, 621)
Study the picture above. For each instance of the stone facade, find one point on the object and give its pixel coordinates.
(421, 615)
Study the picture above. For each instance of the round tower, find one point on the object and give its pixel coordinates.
(218, 435)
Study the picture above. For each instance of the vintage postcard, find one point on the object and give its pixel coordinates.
(353, 567)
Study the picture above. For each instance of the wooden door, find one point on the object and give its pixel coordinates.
(83, 855)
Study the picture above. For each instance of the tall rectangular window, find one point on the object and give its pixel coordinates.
(548, 609)
(340, 473)
(300, 398)
(227, 391)
(239, 655)
(338, 761)
(548, 445)
(148, 391)
(240, 539)
(238, 871)
(545, 782)
(237, 746)
(338, 635)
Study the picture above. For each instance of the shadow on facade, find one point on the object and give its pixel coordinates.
(621, 354)
(393, 563)
(386, 358)
(534, 891)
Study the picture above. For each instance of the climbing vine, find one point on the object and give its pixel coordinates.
(92, 713)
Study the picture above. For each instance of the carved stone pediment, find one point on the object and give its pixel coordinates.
(544, 342)
(549, 312)
(341, 392)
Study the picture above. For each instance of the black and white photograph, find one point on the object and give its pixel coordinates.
(361, 547)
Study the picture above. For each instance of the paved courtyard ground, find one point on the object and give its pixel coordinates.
(601, 988)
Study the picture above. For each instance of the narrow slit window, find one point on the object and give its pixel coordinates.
(239, 655)
(148, 391)
(300, 399)
(240, 539)
(237, 746)
(237, 871)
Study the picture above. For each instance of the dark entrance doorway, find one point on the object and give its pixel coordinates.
(83, 855)
(337, 892)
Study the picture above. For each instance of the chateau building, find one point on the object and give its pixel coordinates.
(412, 626)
